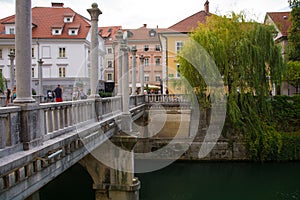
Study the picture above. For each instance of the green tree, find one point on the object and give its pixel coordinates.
(294, 32)
(293, 74)
(248, 60)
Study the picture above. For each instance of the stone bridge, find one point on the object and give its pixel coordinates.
(39, 141)
(58, 135)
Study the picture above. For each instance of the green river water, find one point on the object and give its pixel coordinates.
(194, 181)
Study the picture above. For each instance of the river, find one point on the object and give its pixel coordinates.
(194, 181)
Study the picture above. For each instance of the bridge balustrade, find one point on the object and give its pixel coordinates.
(9, 129)
(167, 98)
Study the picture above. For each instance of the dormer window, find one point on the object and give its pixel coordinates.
(69, 18)
(73, 31)
(152, 33)
(57, 29)
(10, 29)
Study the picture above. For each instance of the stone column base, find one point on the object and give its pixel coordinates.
(118, 192)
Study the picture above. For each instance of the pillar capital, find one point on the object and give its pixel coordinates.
(133, 50)
(94, 12)
(119, 35)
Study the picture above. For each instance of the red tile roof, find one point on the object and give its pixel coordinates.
(109, 33)
(282, 21)
(45, 18)
(143, 33)
(191, 22)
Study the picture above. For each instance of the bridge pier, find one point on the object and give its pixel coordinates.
(116, 182)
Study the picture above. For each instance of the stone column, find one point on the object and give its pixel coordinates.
(142, 78)
(94, 60)
(23, 51)
(12, 69)
(31, 134)
(133, 50)
(119, 38)
(116, 182)
(126, 125)
(40, 63)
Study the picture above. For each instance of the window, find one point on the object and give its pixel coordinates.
(146, 48)
(109, 50)
(73, 31)
(146, 79)
(157, 61)
(109, 64)
(32, 72)
(32, 52)
(179, 46)
(57, 31)
(109, 77)
(62, 72)
(1, 57)
(157, 77)
(178, 70)
(146, 62)
(62, 52)
(11, 30)
(157, 47)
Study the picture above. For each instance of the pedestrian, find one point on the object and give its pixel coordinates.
(14, 93)
(58, 93)
(7, 96)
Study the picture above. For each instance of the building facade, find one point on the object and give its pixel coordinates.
(61, 39)
(172, 41)
(281, 23)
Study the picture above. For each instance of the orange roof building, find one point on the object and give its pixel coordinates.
(61, 38)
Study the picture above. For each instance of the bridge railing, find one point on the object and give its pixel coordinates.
(167, 98)
(10, 129)
(50, 120)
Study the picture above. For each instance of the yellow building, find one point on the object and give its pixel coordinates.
(172, 41)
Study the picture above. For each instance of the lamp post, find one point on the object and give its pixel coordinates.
(11, 56)
(133, 50)
(142, 58)
(40, 64)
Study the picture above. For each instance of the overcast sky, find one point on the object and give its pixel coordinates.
(161, 13)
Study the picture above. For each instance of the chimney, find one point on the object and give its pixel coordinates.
(57, 4)
(145, 25)
(206, 6)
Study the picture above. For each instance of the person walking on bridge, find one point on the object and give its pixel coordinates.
(58, 93)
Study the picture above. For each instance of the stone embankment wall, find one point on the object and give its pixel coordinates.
(175, 139)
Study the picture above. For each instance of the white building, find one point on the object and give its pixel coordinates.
(61, 38)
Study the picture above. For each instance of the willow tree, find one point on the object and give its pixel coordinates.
(249, 63)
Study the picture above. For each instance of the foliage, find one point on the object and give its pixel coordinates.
(286, 113)
(294, 33)
(290, 147)
(293, 74)
(105, 94)
(2, 82)
(246, 57)
(294, 3)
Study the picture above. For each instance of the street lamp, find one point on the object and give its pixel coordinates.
(12, 69)
(142, 58)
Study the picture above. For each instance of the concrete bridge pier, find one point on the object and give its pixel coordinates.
(116, 182)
